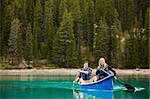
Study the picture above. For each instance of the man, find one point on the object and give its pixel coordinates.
(103, 70)
(85, 74)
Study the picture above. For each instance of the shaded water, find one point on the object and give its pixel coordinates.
(61, 87)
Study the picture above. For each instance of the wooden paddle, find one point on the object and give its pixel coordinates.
(128, 87)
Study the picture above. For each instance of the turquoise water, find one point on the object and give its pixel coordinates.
(61, 87)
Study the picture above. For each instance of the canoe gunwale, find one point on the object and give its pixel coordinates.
(110, 75)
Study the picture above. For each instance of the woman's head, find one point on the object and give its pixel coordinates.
(101, 61)
(85, 65)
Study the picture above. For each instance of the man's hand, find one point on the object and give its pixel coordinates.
(86, 72)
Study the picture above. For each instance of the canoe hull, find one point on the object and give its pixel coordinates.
(105, 84)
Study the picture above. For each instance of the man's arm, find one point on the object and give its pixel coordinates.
(85, 72)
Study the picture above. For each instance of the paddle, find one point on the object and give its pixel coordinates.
(128, 87)
(77, 78)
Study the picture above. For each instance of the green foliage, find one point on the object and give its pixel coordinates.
(50, 29)
(44, 30)
(102, 40)
(14, 41)
(76, 14)
(37, 30)
(7, 18)
(64, 47)
(29, 9)
(29, 44)
(62, 7)
(0, 27)
(115, 41)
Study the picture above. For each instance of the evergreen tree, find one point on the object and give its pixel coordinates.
(49, 26)
(30, 4)
(29, 44)
(102, 40)
(64, 48)
(131, 45)
(0, 15)
(127, 31)
(56, 4)
(87, 23)
(144, 42)
(37, 30)
(20, 44)
(0, 27)
(115, 41)
(62, 7)
(6, 29)
(29, 9)
(84, 18)
(76, 14)
(14, 41)
(20, 11)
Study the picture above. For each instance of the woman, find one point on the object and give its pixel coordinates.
(103, 70)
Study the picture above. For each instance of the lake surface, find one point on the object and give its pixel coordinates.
(61, 87)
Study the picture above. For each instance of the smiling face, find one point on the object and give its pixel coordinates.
(102, 62)
(85, 65)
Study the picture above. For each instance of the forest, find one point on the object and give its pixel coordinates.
(66, 33)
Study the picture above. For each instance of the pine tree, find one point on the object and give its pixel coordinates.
(116, 40)
(102, 40)
(29, 44)
(37, 30)
(87, 24)
(64, 48)
(29, 8)
(74, 8)
(14, 41)
(21, 10)
(0, 27)
(50, 29)
(145, 42)
(7, 17)
(30, 4)
(62, 6)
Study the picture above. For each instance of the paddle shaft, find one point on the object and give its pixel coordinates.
(120, 81)
(129, 87)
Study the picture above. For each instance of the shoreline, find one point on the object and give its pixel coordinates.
(63, 71)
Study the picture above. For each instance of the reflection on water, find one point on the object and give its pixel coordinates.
(92, 94)
(61, 87)
(35, 77)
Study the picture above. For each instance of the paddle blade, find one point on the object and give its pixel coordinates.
(129, 87)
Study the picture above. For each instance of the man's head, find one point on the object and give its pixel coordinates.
(85, 65)
(102, 61)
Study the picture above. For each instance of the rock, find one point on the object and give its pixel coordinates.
(137, 69)
(23, 65)
(29, 66)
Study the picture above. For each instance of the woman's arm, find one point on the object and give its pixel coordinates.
(112, 70)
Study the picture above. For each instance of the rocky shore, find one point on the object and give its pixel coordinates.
(64, 71)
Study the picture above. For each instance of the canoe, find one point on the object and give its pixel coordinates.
(103, 84)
